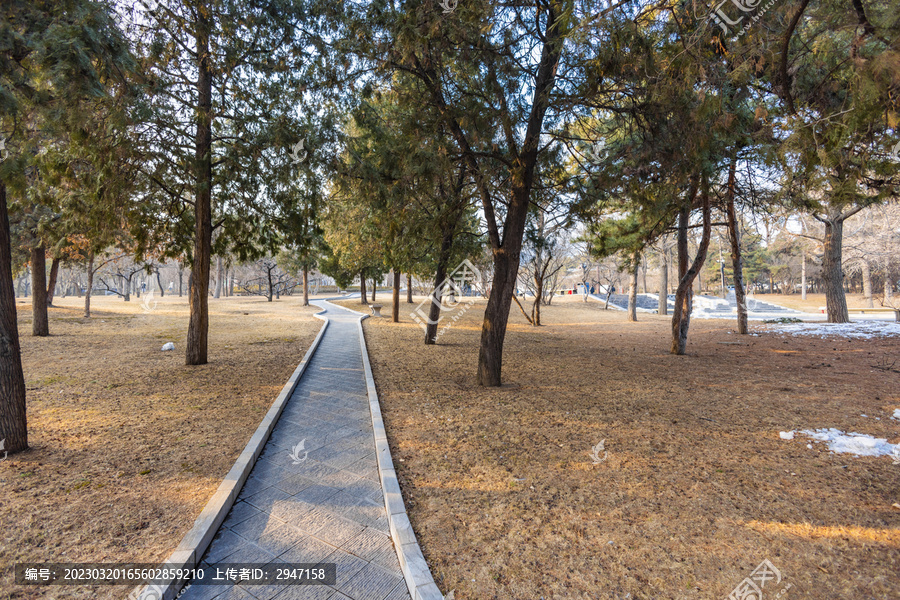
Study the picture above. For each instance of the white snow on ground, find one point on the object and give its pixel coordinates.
(786, 435)
(859, 444)
(857, 329)
(896, 413)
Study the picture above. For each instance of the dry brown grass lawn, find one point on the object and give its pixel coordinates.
(697, 489)
(127, 443)
(814, 302)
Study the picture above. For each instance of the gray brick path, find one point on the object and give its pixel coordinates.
(328, 508)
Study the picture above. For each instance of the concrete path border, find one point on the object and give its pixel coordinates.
(416, 572)
(418, 575)
(197, 540)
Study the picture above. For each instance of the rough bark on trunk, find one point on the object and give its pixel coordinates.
(867, 283)
(220, 273)
(538, 294)
(198, 326)
(40, 324)
(395, 312)
(681, 315)
(51, 282)
(362, 288)
(374, 287)
(737, 262)
(180, 280)
(632, 289)
(305, 286)
(409, 294)
(90, 285)
(13, 420)
(664, 284)
(496, 315)
(162, 292)
(832, 273)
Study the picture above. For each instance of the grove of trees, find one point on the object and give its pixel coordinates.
(243, 147)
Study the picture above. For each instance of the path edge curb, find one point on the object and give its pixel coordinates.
(195, 543)
(419, 579)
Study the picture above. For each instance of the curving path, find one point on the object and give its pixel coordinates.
(329, 506)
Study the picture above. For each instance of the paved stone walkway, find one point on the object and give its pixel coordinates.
(328, 508)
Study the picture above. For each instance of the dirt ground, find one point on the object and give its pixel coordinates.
(694, 488)
(127, 443)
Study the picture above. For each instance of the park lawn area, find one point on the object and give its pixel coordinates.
(127, 443)
(697, 488)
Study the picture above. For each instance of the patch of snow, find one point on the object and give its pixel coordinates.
(168, 346)
(786, 435)
(858, 329)
(896, 413)
(859, 444)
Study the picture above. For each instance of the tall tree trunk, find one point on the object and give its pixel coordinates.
(803, 277)
(220, 272)
(440, 274)
(644, 273)
(40, 324)
(538, 292)
(180, 280)
(231, 283)
(362, 288)
(162, 292)
(888, 289)
(664, 284)
(13, 422)
(737, 262)
(681, 315)
(832, 272)
(409, 294)
(374, 287)
(395, 312)
(90, 285)
(305, 286)
(632, 289)
(51, 283)
(270, 290)
(867, 283)
(198, 326)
